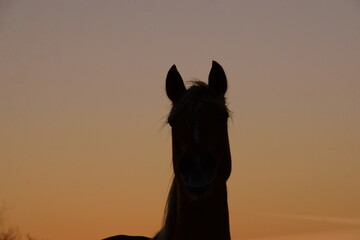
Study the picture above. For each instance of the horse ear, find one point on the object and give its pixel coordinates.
(174, 84)
(217, 79)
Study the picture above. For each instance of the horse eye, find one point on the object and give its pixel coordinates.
(224, 116)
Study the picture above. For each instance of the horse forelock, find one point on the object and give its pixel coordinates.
(197, 93)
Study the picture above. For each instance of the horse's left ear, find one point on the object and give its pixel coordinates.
(217, 79)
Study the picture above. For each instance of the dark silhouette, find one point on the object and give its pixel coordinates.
(197, 205)
(124, 237)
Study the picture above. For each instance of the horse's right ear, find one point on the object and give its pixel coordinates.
(174, 84)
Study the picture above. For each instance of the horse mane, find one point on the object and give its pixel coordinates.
(169, 213)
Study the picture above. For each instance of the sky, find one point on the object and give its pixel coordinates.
(84, 149)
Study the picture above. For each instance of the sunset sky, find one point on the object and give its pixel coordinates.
(85, 154)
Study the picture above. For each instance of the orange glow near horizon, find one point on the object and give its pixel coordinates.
(84, 153)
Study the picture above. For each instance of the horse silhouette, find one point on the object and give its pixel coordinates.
(197, 205)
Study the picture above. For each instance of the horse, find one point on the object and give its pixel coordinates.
(197, 206)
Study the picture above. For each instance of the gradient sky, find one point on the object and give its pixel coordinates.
(84, 152)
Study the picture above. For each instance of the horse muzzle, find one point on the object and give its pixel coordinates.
(198, 171)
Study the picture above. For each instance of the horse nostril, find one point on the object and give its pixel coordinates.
(182, 165)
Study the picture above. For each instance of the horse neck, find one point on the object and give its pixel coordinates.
(206, 218)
